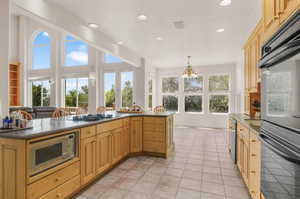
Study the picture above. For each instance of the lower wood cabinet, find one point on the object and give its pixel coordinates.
(136, 134)
(125, 139)
(88, 159)
(116, 145)
(103, 152)
(249, 159)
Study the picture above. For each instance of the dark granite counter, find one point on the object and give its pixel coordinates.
(48, 126)
(252, 123)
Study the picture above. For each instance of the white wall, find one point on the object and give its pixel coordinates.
(206, 119)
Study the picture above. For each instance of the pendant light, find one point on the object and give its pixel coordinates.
(188, 72)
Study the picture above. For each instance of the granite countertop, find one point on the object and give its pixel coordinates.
(47, 126)
(252, 123)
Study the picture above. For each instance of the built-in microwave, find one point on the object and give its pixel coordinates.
(48, 153)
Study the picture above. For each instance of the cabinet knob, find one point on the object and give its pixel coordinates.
(253, 155)
(57, 179)
(253, 172)
(253, 192)
(253, 141)
(58, 195)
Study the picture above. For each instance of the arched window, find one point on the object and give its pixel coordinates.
(41, 51)
(76, 52)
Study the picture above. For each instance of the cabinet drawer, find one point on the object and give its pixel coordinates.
(108, 126)
(155, 137)
(64, 190)
(154, 120)
(157, 147)
(46, 184)
(244, 131)
(154, 127)
(88, 132)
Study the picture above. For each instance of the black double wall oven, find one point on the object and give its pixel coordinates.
(280, 130)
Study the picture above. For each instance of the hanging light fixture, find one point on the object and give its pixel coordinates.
(188, 72)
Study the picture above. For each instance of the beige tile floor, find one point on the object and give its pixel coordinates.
(200, 168)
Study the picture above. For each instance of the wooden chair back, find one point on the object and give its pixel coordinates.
(80, 111)
(101, 109)
(25, 115)
(159, 109)
(59, 113)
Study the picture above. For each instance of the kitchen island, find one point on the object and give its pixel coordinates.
(59, 157)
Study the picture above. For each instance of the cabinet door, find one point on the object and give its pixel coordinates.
(255, 166)
(240, 152)
(103, 152)
(246, 168)
(116, 145)
(271, 17)
(253, 65)
(136, 135)
(88, 159)
(247, 67)
(287, 8)
(247, 102)
(125, 141)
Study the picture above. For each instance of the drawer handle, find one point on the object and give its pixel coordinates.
(57, 179)
(253, 192)
(253, 155)
(58, 195)
(253, 141)
(253, 172)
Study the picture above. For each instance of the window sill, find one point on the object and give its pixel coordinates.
(194, 113)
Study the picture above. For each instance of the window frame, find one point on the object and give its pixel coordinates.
(219, 93)
(185, 94)
(150, 94)
(33, 46)
(30, 90)
(110, 63)
(116, 90)
(175, 94)
(77, 97)
(133, 86)
(64, 54)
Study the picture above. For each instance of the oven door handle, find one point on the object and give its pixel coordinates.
(276, 147)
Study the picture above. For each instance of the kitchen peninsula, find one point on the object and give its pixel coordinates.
(57, 158)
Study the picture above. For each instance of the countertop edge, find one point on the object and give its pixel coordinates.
(242, 119)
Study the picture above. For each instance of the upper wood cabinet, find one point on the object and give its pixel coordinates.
(287, 8)
(14, 84)
(276, 12)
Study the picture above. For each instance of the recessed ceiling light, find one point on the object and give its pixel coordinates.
(225, 3)
(120, 43)
(159, 38)
(93, 25)
(220, 30)
(142, 17)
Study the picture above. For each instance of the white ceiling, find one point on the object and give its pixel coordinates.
(199, 38)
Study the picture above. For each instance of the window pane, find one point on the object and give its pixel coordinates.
(36, 93)
(127, 89)
(112, 59)
(83, 93)
(219, 104)
(76, 53)
(150, 101)
(41, 93)
(170, 85)
(193, 103)
(42, 39)
(193, 84)
(71, 93)
(109, 89)
(150, 85)
(218, 83)
(170, 103)
(41, 57)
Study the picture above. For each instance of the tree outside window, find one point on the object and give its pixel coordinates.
(150, 85)
(219, 88)
(110, 89)
(193, 91)
(170, 88)
(127, 89)
(40, 93)
(76, 92)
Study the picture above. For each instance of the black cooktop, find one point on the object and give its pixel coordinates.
(91, 117)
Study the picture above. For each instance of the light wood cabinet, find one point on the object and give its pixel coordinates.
(136, 134)
(249, 159)
(116, 145)
(12, 169)
(103, 152)
(88, 159)
(125, 140)
(14, 84)
(287, 8)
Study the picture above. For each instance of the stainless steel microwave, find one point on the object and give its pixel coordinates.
(48, 153)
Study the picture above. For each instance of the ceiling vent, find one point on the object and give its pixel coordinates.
(179, 25)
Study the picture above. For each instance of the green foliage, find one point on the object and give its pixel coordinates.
(218, 83)
(219, 104)
(170, 103)
(110, 97)
(150, 101)
(127, 95)
(71, 98)
(193, 103)
(170, 85)
(193, 84)
(37, 95)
